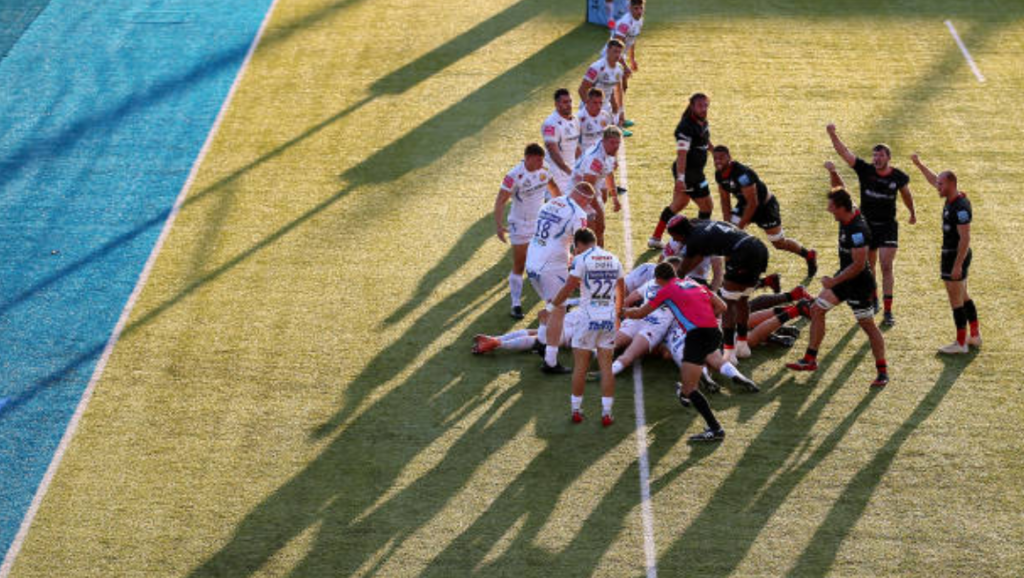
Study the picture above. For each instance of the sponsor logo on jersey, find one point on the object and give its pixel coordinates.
(858, 239)
(596, 165)
(963, 216)
(509, 182)
(549, 130)
(592, 73)
(744, 180)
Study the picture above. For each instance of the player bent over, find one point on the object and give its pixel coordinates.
(853, 284)
(956, 256)
(754, 204)
(547, 263)
(524, 185)
(597, 166)
(598, 275)
(696, 310)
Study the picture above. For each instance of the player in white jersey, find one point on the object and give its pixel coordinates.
(638, 276)
(598, 275)
(593, 119)
(626, 30)
(547, 262)
(597, 167)
(561, 134)
(641, 336)
(525, 339)
(525, 185)
(607, 74)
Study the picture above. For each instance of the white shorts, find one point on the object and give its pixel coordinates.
(651, 328)
(548, 281)
(675, 340)
(591, 334)
(569, 326)
(520, 231)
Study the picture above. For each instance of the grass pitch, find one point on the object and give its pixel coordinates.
(294, 393)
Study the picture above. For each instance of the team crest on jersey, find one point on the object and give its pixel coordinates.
(858, 238)
(596, 166)
(892, 186)
(543, 178)
(963, 216)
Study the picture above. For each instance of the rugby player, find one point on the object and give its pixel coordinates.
(853, 283)
(746, 259)
(606, 74)
(754, 204)
(524, 339)
(598, 276)
(626, 30)
(597, 167)
(693, 139)
(525, 185)
(879, 182)
(955, 258)
(593, 119)
(547, 262)
(696, 309)
(561, 134)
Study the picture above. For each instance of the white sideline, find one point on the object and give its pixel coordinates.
(69, 433)
(646, 512)
(963, 48)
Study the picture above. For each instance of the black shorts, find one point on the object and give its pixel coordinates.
(948, 259)
(884, 234)
(700, 343)
(766, 216)
(748, 261)
(696, 188)
(858, 292)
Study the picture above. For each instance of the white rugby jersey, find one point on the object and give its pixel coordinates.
(557, 222)
(594, 162)
(564, 133)
(598, 272)
(627, 28)
(661, 315)
(606, 77)
(592, 127)
(639, 276)
(527, 189)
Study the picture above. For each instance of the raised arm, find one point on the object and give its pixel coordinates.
(835, 181)
(929, 176)
(840, 147)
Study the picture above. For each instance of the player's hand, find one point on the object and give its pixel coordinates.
(501, 232)
(957, 273)
(680, 188)
(913, 219)
(634, 65)
(616, 205)
(828, 282)
(915, 159)
(830, 128)
(830, 166)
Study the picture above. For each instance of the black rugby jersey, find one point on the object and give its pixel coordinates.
(852, 235)
(697, 136)
(956, 212)
(878, 193)
(740, 177)
(713, 238)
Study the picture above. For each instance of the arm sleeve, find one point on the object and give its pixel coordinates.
(549, 132)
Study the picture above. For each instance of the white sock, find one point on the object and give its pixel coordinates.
(729, 370)
(515, 286)
(572, 302)
(606, 405)
(551, 356)
(617, 367)
(542, 334)
(521, 343)
(576, 401)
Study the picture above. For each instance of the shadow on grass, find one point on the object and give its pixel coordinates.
(820, 553)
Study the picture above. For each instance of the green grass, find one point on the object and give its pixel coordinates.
(294, 393)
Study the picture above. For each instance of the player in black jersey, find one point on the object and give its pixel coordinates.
(853, 283)
(956, 256)
(693, 139)
(746, 258)
(754, 204)
(879, 182)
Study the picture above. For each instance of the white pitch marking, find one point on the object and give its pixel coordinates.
(963, 48)
(646, 511)
(69, 433)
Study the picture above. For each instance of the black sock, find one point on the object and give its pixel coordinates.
(741, 330)
(960, 317)
(666, 215)
(700, 403)
(803, 252)
(703, 214)
(811, 354)
(970, 311)
(729, 336)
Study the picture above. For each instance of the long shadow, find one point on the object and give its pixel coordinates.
(423, 145)
(745, 500)
(820, 553)
(395, 82)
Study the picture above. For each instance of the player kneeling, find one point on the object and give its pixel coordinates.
(598, 275)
